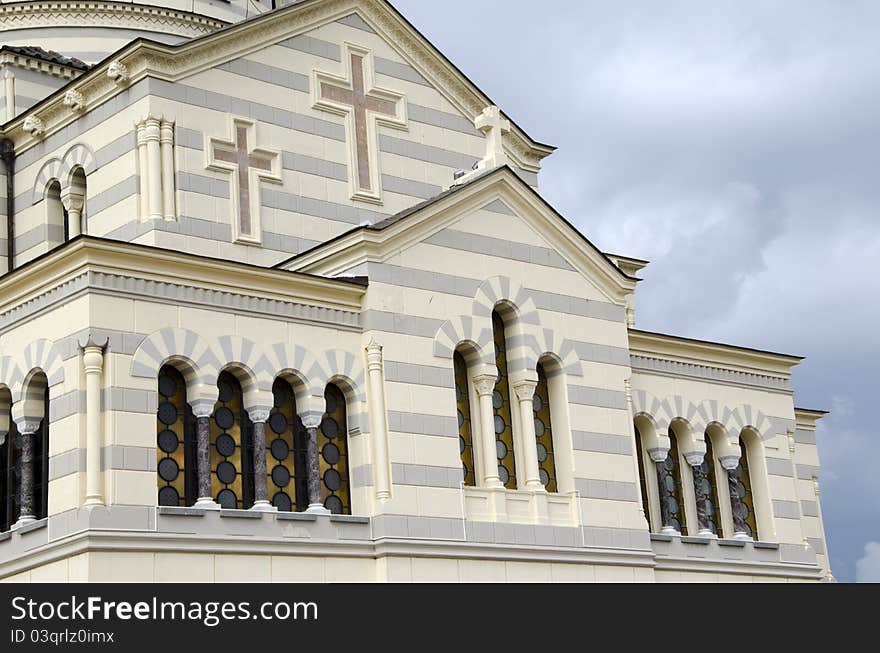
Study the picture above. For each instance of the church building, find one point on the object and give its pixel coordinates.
(281, 300)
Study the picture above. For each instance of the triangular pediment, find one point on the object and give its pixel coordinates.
(496, 213)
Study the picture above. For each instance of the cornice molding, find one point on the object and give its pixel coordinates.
(39, 65)
(171, 63)
(122, 15)
(711, 374)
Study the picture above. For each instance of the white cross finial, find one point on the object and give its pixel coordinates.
(494, 126)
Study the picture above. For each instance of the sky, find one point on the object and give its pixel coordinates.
(735, 145)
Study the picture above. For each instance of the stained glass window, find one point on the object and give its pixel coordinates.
(175, 442)
(710, 489)
(544, 432)
(501, 408)
(640, 457)
(286, 450)
(231, 447)
(744, 490)
(465, 434)
(10, 474)
(672, 492)
(333, 453)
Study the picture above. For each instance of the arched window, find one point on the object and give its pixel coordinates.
(744, 491)
(286, 444)
(56, 215)
(640, 458)
(544, 432)
(232, 465)
(465, 432)
(9, 469)
(175, 442)
(333, 453)
(671, 493)
(41, 453)
(710, 489)
(502, 409)
(76, 203)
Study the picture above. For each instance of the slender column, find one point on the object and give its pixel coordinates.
(27, 427)
(143, 170)
(525, 393)
(740, 532)
(659, 455)
(259, 415)
(202, 410)
(154, 169)
(9, 84)
(695, 460)
(93, 364)
(627, 387)
(378, 421)
(166, 141)
(73, 202)
(312, 422)
(485, 386)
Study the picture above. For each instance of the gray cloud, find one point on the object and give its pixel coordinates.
(735, 145)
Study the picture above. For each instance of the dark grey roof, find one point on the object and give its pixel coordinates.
(47, 55)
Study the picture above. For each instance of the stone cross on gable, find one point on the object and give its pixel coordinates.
(494, 126)
(248, 167)
(364, 106)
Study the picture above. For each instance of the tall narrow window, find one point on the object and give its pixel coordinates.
(744, 490)
(41, 456)
(333, 453)
(56, 215)
(672, 492)
(175, 442)
(710, 489)
(9, 477)
(465, 434)
(232, 476)
(286, 452)
(544, 432)
(501, 405)
(640, 458)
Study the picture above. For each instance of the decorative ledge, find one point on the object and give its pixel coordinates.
(739, 543)
(181, 512)
(351, 519)
(33, 526)
(659, 537)
(295, 516)
(241, 514)
(691, 539)
(766, 545)
(5, 535)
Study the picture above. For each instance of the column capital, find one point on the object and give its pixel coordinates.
(311, 420)
(259, 414)
(525, 389)
(28, 425)
(374, 356)
(485, 384)
(695, 458)
(729, 462)
(658, 454)
(202, 407)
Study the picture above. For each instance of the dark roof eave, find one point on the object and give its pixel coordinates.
(718, 344)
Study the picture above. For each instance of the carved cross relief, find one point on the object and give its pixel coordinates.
(364, 106)
(248, 166)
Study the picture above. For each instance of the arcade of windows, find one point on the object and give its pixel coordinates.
(671, 482)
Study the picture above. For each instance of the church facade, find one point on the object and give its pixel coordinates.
(281, 301)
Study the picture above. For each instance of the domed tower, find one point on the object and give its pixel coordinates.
(89, 31)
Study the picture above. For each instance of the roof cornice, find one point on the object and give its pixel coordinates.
(806, 418)
(145, 58)
(87, 253)
(688, 350)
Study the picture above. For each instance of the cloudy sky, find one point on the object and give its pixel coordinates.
(736, 145)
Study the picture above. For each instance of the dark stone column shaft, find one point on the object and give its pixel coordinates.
(701, 498)
(313, 466)
(261, 491)
(27, 476)
(203, 456)
(661, 490)
(739, 524)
